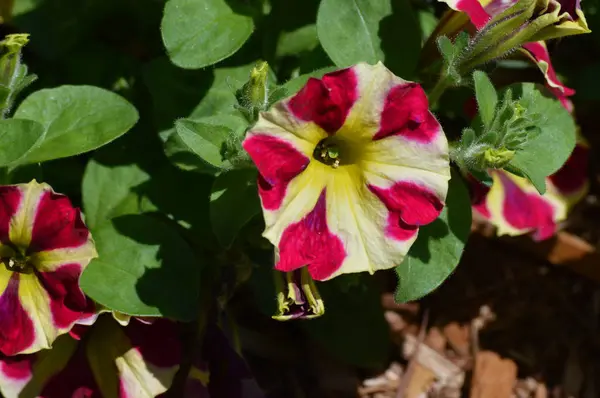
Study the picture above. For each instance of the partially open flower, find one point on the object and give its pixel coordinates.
(350, 168)
(137, 361)
(44, 247)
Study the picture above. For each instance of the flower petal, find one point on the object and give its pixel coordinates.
(516, 207)
(10, 200)
(138, 361)
(17, 330)
(43, 375)
(538, 52)
(310, 241)
(473, 8)
(326, 101)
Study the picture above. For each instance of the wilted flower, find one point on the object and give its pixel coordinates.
(44, 248)
(136, 361)
(515, 207)
(350, 167)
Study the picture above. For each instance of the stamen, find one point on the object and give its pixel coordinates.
(328, 153)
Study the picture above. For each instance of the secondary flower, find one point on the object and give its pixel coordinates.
(350, 167)
(136, 361)
(566, 17)
(44, 247)
(514, 206)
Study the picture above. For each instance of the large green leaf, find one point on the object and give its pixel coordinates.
(144, 268)
(17, 137)
(108, 191)
(438, 249)
(233, 202)
(198, 33)
(76, 119)
(353, 327)
(353, 31)
(549, 150)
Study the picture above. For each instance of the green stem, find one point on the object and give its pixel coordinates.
(439, 89)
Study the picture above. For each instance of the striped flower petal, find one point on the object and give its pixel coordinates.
(137, 361)
(350, 167)
(44, 247)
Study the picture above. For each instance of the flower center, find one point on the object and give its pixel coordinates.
(328, 152)
(16, 261)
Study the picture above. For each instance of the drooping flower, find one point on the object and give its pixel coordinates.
(515, 207)
(568, 18)
(44, 247)
(136, 361)
(350, 168)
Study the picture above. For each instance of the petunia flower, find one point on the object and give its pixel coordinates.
(44, 247)
(479, 12)
(136, 361)
(514, 206)
(350, 168)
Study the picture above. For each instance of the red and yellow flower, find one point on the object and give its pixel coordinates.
(44, 247)
(514, 206)
(136, 361)
(350, 168)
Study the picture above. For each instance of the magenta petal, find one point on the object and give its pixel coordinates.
(67, 301)
(327, 101)
(526, 211)
(416, 204)
(406, 113)
(16, 327)
(310, 242)
(57, 224)
(278, 162)
(10, 198)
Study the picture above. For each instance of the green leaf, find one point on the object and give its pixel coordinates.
(353, 31)
(109, 191)
(76, 119)
(234, 201)
(198, 33)
(145, 268)
(201, 146)
(297, 41)
(17, 138)
(353, 327)
(549, 150)
(487, 98)
(438, 249)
